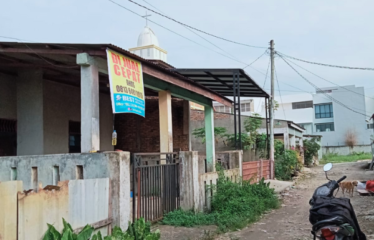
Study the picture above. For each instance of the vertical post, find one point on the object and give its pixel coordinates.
(267, 126)
(272, 111)
(239, 110)
(166, 125)
(209, 138)
(90, 120)
(187, 122)
(234, 96)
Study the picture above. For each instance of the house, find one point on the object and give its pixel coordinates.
(335, 113)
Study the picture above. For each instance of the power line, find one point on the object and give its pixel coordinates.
(189, 29)
(266, 77)
(209, 34)
(255, 60)
(324, 64)
(330, 81)
(234, 59)
(328, 96)
(280, 95)
(24, 40)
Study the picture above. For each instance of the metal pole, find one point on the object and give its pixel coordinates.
(267, 127)
(239, 110)
(234, 89)
(272, 111)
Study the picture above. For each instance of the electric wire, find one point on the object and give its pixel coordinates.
(266, 77)
(316, 87)
(324, 64)
(210, 34)
(280, 95)
(330, 81)
(234, 59)
(228, 53)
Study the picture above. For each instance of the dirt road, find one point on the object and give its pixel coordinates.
(291, 221)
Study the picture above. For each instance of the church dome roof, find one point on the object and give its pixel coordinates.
(147, 37)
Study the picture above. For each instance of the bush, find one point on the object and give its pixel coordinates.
(311, 148)
(139, 230)
(234, 205)
(285, 165)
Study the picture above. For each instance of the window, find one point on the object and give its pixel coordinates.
(300, 105)
(74, 137)
(325, 127)
(370, 126)
(323, 111)
(245, 107)
(223, 109)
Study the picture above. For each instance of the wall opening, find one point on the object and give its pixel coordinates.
(56, 175)
(34, 178)
(13, 174)
(74, 137)
(8, 137)
(79, 172)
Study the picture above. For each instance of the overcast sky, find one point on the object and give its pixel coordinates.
(336, 32)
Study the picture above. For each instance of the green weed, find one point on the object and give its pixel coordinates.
(234, 206)
(335, 158)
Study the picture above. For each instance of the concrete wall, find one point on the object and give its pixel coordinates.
(8, 97)
(61, 105)
(44, 109)
(30, 116)
(113, 165)
(344, 150)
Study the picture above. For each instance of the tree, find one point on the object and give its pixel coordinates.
(311, 148)
(219, 132)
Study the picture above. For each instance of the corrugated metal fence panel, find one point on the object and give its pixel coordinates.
(8, 209)
(88, 201)
(35, 210)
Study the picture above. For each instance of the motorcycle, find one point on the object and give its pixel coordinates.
(333, 218)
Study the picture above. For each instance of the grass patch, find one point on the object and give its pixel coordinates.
(335, 158)
(234, 206)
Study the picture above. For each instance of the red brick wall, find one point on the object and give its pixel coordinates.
(138, 134)
(197, 115)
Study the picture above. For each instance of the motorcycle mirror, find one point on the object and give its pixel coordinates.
(327, 167)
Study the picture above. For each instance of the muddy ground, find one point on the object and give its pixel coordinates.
(291, 221)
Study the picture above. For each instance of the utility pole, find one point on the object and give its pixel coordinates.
(271, 114)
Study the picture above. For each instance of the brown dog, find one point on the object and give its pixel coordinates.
(348, 187)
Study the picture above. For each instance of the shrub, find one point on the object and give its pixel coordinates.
(139, 230)
(234, 205)
(285, 165)
(219, 132)
(311, 148)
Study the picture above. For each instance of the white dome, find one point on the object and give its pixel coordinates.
(147, 37)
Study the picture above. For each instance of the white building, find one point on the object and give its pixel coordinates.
(319, 114)
(148, 46)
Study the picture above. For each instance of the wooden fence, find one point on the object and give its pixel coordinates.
(256, 170)
(25, 214)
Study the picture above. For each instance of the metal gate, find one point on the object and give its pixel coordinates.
(155, 185)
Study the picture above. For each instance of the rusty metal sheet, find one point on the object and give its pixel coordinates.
(8, 209)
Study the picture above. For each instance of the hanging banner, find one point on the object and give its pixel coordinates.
(126, 84)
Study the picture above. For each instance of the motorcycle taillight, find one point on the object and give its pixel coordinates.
(327, 233)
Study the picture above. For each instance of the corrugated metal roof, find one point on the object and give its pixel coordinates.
(221, 80)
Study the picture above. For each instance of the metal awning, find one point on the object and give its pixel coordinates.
(232, 82)
(223, 81)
